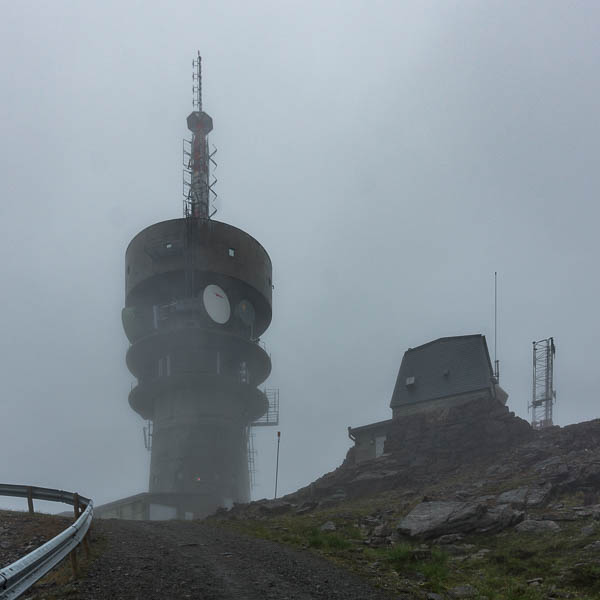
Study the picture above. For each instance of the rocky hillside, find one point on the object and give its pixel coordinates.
(465, 502)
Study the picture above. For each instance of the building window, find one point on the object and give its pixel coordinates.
(231, 252)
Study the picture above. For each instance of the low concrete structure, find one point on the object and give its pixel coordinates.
(444, 373)
(147, 507)
(369, 440)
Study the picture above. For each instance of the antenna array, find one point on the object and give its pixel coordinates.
(543, 394)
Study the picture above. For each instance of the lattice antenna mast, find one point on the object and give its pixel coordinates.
(197, 87)
(543, 394)
(198, 191)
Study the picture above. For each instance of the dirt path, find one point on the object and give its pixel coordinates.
(172, 560)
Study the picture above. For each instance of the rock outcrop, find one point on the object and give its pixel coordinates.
(435, 519)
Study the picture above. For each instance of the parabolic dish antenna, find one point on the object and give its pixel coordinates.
(216, 304)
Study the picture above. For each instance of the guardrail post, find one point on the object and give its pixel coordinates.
(77, 510)
(86, 546)
(74, 566)
(30, 499)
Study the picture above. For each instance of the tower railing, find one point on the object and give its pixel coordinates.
(271, 417)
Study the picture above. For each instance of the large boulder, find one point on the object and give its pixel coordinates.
(434, 519)
(499, 517)
(525, 496)
(533, 526)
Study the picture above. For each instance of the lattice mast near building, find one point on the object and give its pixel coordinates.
(543, 393)
(198, 297)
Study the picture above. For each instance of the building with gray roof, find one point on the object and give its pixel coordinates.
(445, 372)
(440, 374)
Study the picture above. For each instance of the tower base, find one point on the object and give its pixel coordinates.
(157, 507)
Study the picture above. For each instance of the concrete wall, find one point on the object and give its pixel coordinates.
(369, 443)
(369, 440)
(154, 507)
(449, 402)
(199, 446)
(134, 510)
(155, 263)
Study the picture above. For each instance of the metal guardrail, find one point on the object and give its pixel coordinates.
(19, 576)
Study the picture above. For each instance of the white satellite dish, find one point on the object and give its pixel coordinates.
(216, 304)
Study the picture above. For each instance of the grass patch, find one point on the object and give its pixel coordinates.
(400, 556)
(436, 570)
(405, 560)
(319, 539)
(585, 576)
(558, 558)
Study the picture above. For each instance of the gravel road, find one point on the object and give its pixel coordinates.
(178, 559)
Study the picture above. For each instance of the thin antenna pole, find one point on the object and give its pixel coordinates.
(495, 316)
(277, 464)
(496, 363)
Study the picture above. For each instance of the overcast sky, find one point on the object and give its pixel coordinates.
(390, 156)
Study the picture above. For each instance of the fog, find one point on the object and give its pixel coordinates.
(389, 156)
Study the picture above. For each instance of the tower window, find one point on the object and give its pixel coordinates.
(231, 252)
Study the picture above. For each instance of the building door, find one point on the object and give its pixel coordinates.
(379, 442)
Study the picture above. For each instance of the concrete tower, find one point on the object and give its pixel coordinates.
(197, 299)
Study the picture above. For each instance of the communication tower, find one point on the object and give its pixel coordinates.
(198, 297)
(543, 394)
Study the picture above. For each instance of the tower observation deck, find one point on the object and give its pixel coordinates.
(197, 299)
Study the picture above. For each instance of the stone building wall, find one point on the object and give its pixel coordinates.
(439, 403)
(453, 434)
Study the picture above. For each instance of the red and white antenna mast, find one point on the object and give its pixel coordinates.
(198, 191)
